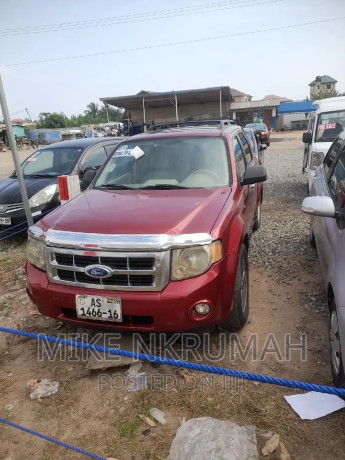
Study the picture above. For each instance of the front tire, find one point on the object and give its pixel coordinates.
(240, 302)
(336, 357)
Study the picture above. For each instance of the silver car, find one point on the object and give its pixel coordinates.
(326, 205)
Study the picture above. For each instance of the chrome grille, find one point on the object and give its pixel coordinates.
(130, 271)
(4, 208)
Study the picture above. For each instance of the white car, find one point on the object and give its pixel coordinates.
(325, 124)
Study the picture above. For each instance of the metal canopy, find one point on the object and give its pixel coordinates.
(155, 100)
(296, 107)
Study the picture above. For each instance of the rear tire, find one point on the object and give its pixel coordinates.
(240, 302)
(336, 357)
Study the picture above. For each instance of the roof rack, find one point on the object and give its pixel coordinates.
(190, 124)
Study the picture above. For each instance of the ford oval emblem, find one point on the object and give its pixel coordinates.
(98, 271)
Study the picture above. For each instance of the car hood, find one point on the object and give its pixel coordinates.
(140, 212)
(10, 192)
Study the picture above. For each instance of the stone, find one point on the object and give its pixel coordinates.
(270, 445)
(41, 388)
(281, 452)
(147, 420)
(157, 415)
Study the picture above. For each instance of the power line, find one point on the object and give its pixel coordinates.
(149, 16)
(162, 45)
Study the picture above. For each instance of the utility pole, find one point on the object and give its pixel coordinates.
(15, 156)
(106, 109)
(28, 114)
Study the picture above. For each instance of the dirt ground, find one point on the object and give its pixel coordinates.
(286, 302)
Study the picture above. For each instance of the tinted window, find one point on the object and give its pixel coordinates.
(94, 158)
(239, 156)
(246, 148)
(51, 162)
(337, 182)
(332, 156)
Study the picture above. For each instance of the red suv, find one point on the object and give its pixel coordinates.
(159, 241)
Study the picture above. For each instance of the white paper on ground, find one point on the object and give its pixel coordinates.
(312, 405)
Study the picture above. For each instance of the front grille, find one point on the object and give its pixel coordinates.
(4, 208)
(130, 271)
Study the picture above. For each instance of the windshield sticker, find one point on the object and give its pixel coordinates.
(326, 126)
(32, 159)
(136, 152)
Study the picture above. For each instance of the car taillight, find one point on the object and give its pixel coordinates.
(264, 132)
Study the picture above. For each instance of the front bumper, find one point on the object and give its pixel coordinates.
(18, 219)
(168, 310)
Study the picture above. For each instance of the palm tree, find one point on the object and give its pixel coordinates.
(324, 94)
(92, 109)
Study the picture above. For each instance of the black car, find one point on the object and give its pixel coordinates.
(41, 170)
(262, 131)
(257, 147)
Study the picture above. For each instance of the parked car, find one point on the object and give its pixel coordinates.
(262, 131)
(72, 134)
(41, 170)
(324, 125)
(257, 147)
(326, 205)
(159, 241)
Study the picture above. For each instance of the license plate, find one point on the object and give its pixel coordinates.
(99, 308)
(5, 221)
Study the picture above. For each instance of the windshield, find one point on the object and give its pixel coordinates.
(51, 162)
(177, 162)
(260, 126)
(329, 125)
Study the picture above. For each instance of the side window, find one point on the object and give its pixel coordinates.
(246, 148)
(332, 156)
(239, 157)
(337, 183)
(94, 158)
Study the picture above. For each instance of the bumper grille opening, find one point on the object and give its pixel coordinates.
(65, 275)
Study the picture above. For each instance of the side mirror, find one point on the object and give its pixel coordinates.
(307, 138)
(319, 206)
(262, 147)
(254, 174)
(88, 177)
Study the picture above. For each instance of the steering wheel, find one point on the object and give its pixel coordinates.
(207, 172)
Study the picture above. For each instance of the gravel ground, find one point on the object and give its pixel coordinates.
(284, 231)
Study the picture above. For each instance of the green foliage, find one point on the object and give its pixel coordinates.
(324, 94)
(92, 115)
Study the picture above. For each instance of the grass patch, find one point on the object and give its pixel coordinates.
(128, 428)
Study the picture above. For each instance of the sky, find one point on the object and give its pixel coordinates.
(281, 62)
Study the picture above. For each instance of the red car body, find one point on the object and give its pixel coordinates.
(224, 214)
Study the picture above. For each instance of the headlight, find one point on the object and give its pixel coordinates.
(35, 248)
(193, 261)
(316, 159)
(43, 196)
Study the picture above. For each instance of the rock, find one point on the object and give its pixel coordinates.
(264, 434)
(41, 388)
(206, 438)
(147, 420)
(157, 415)
(281, 452)
(134, 368)
(270, 445)
(122, 410)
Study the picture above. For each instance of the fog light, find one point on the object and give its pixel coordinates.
(202, 308)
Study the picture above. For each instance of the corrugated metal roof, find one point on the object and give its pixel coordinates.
(263, 103)
(296, 107)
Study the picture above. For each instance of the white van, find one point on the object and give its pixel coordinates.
(325, 124)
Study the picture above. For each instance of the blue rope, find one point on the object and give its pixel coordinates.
(184, 364)
(54, 441)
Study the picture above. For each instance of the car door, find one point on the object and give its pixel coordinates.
(330, 181)
(241, 169)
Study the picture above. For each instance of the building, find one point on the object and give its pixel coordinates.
(149, 107)
(261, 111)
(323, 83)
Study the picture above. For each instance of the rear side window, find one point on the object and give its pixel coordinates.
(239, 157)
(246, 148)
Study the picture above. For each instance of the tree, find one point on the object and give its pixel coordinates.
(324, 94)
(52, 120)
(92, 109)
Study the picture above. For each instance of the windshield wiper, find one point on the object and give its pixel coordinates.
(116, 187)
(38, 176)
(162, 187)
